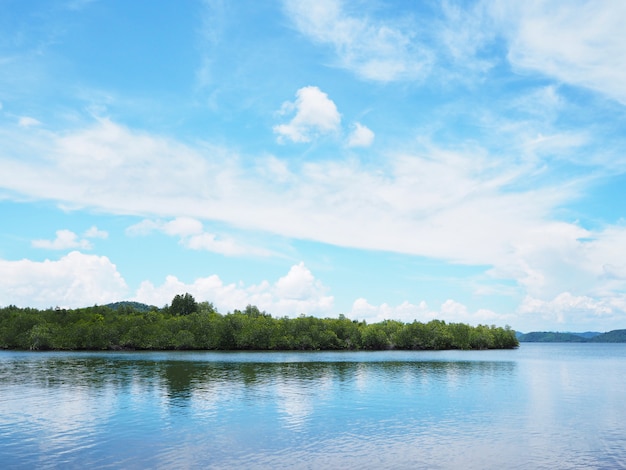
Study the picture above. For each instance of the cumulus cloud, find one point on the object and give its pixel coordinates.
(361, 136)
(95, 232)
(315, 115)
(577, 311)
(75, 280)
(298, 284)
(372, 49)
(450, 311)
(295, 293)
(79, 280)
(66, 239)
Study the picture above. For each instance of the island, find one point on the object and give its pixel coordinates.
(189, 325)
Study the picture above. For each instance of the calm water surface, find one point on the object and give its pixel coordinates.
(541, 406)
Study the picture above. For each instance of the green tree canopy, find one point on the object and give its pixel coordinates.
(188, 325)
(183, 305)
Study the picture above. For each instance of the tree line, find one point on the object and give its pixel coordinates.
(187, 324)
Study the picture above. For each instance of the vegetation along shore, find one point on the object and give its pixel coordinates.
(187, 324)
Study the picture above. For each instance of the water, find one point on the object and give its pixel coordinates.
(541, 406)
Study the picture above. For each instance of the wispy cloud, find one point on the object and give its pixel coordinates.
(192, 235)
(372, 49)
(422, 199)
(461, 37)
(27, 121)
(580, 43)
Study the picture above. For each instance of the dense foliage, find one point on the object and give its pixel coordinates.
(186, 324)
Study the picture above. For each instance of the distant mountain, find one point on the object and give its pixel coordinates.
(138, 306)
(589, 334)
(614, 336)
(551, 337)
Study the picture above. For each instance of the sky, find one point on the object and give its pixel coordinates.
(457, 160)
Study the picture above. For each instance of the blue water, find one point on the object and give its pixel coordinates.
(541, 406)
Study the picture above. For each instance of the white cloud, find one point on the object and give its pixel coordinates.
(464, 30)
(145, 227)
(543, 101)
(66, 239)
(224, 245)
(422, 201)
(183, 227)
(298, 284)
(361, 136)
(295, 293)
(450, 311)
(462, 205)
(75, 280)
(406, 312)
(374, 50)
(26, 121)
(577, 311)
(562, 256)
(192, 235)
(95, 232)
(580, 42)
(315, 115)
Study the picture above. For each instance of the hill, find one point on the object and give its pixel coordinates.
(551, 337)
(588, 334)
(614, 336)
(137, 306)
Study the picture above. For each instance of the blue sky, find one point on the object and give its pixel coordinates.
(405, 160)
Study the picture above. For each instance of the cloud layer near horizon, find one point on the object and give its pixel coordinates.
(82, 279)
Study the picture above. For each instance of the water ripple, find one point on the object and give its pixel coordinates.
(331, 410)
